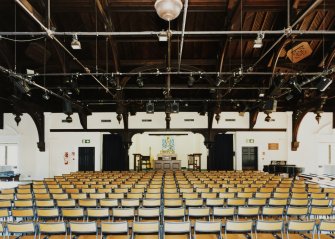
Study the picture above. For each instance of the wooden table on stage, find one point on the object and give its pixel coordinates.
(167, 164)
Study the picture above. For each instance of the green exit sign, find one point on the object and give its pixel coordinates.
(86, 141)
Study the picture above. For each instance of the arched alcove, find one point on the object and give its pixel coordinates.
(151, 143)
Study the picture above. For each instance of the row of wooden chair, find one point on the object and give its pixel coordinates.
(204, 213)
(261, 229)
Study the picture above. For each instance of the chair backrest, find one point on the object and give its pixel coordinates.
(214, 202)
(207, 227)
(45, 203)
(24, 196)
(326, 225)
(72, 212)
(151, 202)
(114, 227)
(198, 202)
(177, 227)
(23, 212)
(82, 228)
(273, 211)
(199, 212)
(174, 212)
(66, 203)
(145, 228)
(223, 212)
(98, 212)
(123, 212)
(22, 227)
(321, 211)
(47, 212)
(148, 212)
(130, 202)
(52, 228)
(109, 203)
(297, 211)
(269, 226)
(300, 226)
(238, 226)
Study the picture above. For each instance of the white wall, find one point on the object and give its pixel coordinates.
(313, 153)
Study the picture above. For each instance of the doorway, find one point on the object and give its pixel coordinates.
(223, 154)
(113, 153)
(86, 161)
(249, 158)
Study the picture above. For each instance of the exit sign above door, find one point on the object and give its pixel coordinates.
(86, 141)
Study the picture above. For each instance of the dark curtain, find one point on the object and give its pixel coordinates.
(223, 153)
(113, 153)
(86, 160)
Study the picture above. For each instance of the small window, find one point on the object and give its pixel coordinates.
(8, 154)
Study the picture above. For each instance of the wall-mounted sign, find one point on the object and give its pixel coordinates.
(86, 141)
(273, 146)
(250, 141)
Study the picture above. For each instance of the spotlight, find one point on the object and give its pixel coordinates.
(323, 84)
(219, 80)
(258, 42)
(75, 44)
(150, 107)
(139, 81)
(261, 94)
(190, 81)
(23, 87)
(68, 119)
(294, 85)
(112, 81)
(174, 107)
(163, 36)
(46, 96)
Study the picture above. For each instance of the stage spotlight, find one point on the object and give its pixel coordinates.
(323, 84)
(75, 44)
(139, 81)
(258, 42)
(150, 107)
(46, 96)
(112, 81)
(190, 81)
(294, 85)
(219, 80)
(174, 107)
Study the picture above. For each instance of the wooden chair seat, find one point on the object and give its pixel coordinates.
(207, 236)
(146, 236)
(87, 237)
(176, 236)
(60, 236)
(118, 237)
(235, 236)
(265, 236)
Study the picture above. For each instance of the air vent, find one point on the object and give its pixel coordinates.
(230, 120)
(189, 120)
(146, 120)
(106, 121)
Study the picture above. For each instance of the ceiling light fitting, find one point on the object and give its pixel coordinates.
(75, 44)
(46, 96)
(163, 36)
(190, 81)
(168, 9)
(258, 42)
(323, 84)
(139, 81)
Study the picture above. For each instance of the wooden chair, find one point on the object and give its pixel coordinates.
(145, 214)
(83, 228)
(300, 227)
(173, 214)
(266, 229)
(22, 228)
(120, 229)
(239, 227)
(45, 214)
(54, 230)
(146, 230)
(207, 228)
(179, 230)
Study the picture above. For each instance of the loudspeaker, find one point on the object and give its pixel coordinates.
(150, 108)
(67, 108)
(323, 84)
(174, 107)
(270, 105)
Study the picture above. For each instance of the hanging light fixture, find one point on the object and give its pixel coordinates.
(75, 44)
(258, 42)
(168, 9)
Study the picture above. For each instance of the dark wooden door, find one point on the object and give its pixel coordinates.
(249, 158)
(86, 160)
